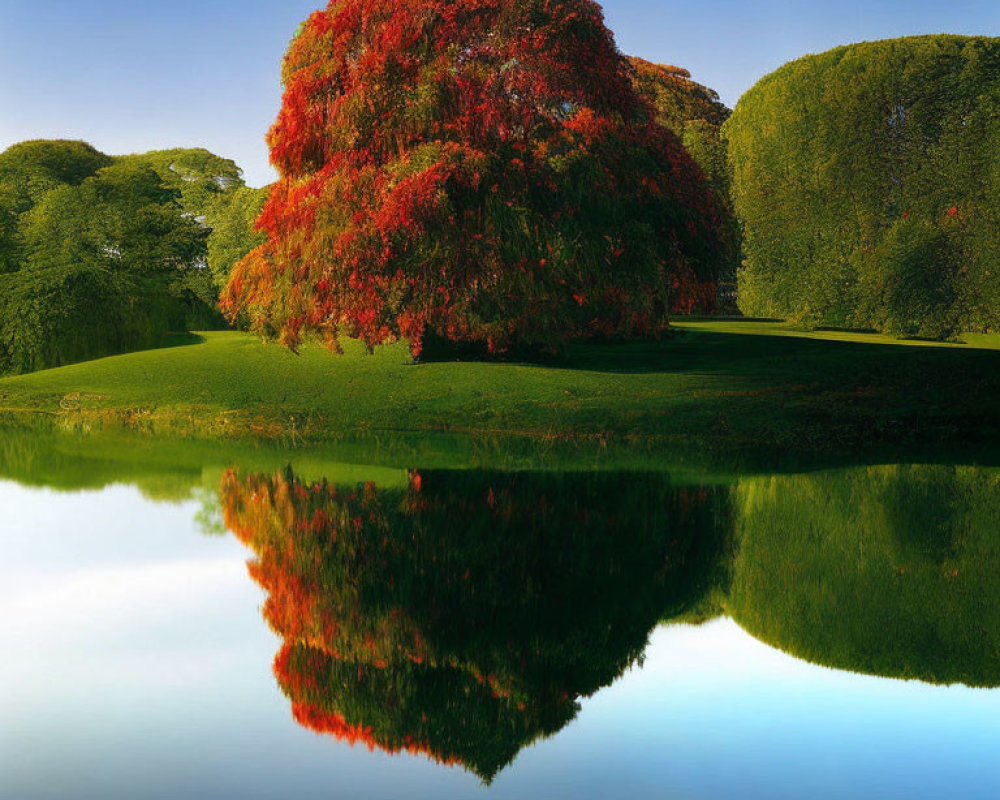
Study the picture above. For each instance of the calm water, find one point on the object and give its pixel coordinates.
(432, 633)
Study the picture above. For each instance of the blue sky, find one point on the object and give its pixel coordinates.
(130, 76)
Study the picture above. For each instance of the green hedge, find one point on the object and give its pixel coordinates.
(866, 182)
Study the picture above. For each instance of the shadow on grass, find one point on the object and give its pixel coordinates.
(180, 339)
(679, 351)
(766, 396)
(757, 356)
(841, 329)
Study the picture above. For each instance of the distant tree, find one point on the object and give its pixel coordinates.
(106, 270)
(211, 189)
(483, 169)
(122, 220)
(866, 180)
(232, 217)
(106, 253)
(695, 114)
(200, 176)
(676, 98)
(29, 170)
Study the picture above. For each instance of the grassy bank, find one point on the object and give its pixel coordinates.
(716, 387)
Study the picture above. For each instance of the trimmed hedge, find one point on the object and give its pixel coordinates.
(866, 181)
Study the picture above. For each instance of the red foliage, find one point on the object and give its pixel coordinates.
(296, 675)
(474, 167)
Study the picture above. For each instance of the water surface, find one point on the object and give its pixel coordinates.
(245, 630)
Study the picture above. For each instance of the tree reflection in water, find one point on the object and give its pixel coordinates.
(464, 615)
(885, 570)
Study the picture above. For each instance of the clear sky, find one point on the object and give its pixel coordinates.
(134, 75)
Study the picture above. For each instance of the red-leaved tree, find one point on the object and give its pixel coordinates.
(483, 169)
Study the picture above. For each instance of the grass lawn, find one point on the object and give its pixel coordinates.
(715, 387)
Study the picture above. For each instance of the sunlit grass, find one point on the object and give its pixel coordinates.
(717, 385)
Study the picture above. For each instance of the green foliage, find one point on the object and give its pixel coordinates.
(232, 217)
(122, 219)
(108, 269)
(105, 254)
(695, 115)
(676, 98)
(908, 282)
(703, 141)
(883, 570)
(866, 182)
(30, 169)
(200, 177)
(210, 189)
(9, 249)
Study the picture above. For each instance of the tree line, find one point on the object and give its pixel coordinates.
(102, 255)
(495, 172)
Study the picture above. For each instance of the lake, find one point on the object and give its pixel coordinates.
(273, 624)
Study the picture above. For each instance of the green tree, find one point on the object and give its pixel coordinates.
(107, 270)
(211, 189)
(866, 182)
(29, 170)
(676, 98)
(110, 252)
(232, 217)
(695, 114)
(199, 176)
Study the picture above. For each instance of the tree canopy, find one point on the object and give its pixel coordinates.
(101, 255)
(695, 114)
(232, 217)
(866, 181)
(675, 96)
(483, 169)
(211, 189)
(104, 271)
(199, 176)
(30, 169)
